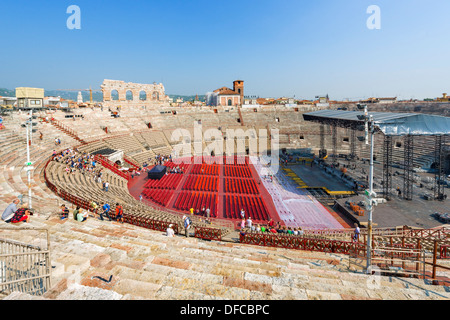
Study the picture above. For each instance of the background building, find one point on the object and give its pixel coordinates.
(30, 97)
(227, 97)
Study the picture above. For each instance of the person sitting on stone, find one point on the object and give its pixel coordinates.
(10, 210)
(82, 216)
(170, 232)
(21, 215)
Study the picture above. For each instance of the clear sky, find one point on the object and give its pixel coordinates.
(279, 48)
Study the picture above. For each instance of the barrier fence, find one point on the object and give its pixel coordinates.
(25, 267)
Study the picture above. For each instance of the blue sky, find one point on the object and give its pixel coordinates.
(279, 48)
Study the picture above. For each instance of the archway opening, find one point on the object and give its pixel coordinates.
(114, 95)
(129, 95)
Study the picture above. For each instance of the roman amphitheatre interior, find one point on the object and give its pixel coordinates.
(308, 176)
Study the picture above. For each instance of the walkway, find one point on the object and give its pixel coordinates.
(295, 206)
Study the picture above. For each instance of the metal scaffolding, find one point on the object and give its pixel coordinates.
(439, 176)
(387, 167)
(408, 167)
(352, 145)
(334, 139)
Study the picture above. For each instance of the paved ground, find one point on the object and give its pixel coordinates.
(316, 177)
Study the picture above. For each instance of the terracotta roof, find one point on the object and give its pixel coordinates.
(222, 89)
(228, 93)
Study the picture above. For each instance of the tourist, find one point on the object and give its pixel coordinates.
(242, 214)
(203, 211)
(208, 213)
(187, 225)
(10, 210)
(94, 206)
(300, 231)
(271, 223)
(64, 212)
(191, 211)
(106, 209)
(243, 224)
(258, 228)
(75, 212)
(263, 229)
(170, 232)
(356, 233)
(82, 216)
(249, 222)
(119, 213)
(140, 197)
(21, 215)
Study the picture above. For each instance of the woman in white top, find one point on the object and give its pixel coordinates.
(170, 232)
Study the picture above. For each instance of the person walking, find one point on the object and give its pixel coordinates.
(356, 233)
(187, 225)
(106, 209)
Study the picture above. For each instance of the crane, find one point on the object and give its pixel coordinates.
(90, 91)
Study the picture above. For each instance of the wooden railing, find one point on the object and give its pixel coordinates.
(208, 233)
(302, 243)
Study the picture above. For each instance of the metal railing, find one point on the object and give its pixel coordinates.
(25, 267)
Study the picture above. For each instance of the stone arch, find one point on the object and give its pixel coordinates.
(155, 96)
(230, 102)
(114, 95)
(142, 95)
(129, 95)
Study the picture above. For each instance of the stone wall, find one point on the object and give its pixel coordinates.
(138, 94)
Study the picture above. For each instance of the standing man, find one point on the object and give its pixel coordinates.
(119, 213)
(356, 233)
(187, 225)
(249, 223)
(208, 213)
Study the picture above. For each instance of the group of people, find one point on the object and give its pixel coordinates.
(204, 212)
(161, 159)
(105, 210)
(271, 227)
(13, 214)
(78, 161)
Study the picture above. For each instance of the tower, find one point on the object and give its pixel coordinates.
(238, 86)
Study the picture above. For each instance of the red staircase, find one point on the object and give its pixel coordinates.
(66, 130)
(109, 165)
